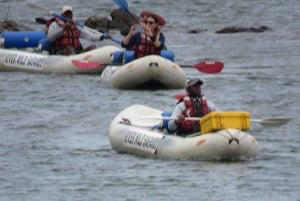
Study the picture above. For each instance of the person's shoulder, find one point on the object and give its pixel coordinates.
(180, 103)
(53, 22)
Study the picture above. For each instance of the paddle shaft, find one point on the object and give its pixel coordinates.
(33, 5)
(203, 66)
(266, 121)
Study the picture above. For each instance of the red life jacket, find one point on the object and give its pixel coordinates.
(146, 47)
(49, 21)
(70, 38)
(189, 126)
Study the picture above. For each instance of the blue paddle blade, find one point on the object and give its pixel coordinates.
(122, 4)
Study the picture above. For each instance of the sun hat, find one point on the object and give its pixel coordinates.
(193, 81)
(160, 20)
(66, 8)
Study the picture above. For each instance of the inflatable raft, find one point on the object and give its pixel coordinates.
(149, 72)
(139, 130)
(26, 51)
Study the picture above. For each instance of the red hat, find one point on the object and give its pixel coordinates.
(161, 21)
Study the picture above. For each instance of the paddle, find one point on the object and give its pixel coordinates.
(33, 5)
(277, 121)
(40, 20)
(86, 64)
(209, 67)
(266, 122)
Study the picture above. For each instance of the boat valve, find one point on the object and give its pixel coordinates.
(234, 139)
(153, 63)
(125, 121)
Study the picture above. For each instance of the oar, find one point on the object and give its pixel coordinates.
(124, 6)
(40, 20)
(266, 122)
(277, 121)
(211, 67)
(207, 66)
(86, 64)
(33, 5)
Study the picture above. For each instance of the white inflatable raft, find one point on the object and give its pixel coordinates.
(24, 61)
(130, 132)
(149, 72)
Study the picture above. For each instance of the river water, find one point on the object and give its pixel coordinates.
(54, 128)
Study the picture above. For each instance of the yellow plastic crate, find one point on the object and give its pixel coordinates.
(215, 121)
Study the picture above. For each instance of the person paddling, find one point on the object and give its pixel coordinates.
(193, 104)
(65, 35)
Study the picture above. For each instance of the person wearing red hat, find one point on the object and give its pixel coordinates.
(194, 104)
(148, 41)
(65, 35)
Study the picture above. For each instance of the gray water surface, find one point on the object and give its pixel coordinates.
(54, 128)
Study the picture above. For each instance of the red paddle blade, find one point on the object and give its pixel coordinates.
(210, 67)
(86, 64)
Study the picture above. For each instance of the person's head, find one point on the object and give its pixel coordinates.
(193, 87)
(159, 19)
(151, 22)
(67, 11)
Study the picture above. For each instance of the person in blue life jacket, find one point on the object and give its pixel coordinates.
(65, 35)
(193, 104)
(149, 40)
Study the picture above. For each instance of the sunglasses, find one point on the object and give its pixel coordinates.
(149, 22)
(68, 13)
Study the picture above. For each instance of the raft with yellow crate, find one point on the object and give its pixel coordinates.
(139, 130)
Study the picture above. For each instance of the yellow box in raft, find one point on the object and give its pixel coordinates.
(215, 121)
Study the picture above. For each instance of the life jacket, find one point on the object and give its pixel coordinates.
(69, 38)
(49, 21)
(195, 107)
(145, 47)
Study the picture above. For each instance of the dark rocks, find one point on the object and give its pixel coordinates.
(197, 30)
(237, 29)
(9, 25)
(100, 23)
(120, 20)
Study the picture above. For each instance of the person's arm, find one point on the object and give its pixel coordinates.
(177, 113)
(127, 39)
(159, 41)
(92, 35)
(134, 40)
(55, 31)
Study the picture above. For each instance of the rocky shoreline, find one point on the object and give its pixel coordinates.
(121, 21)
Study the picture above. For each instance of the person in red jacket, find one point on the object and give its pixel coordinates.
(193, 104)
(65, 35)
